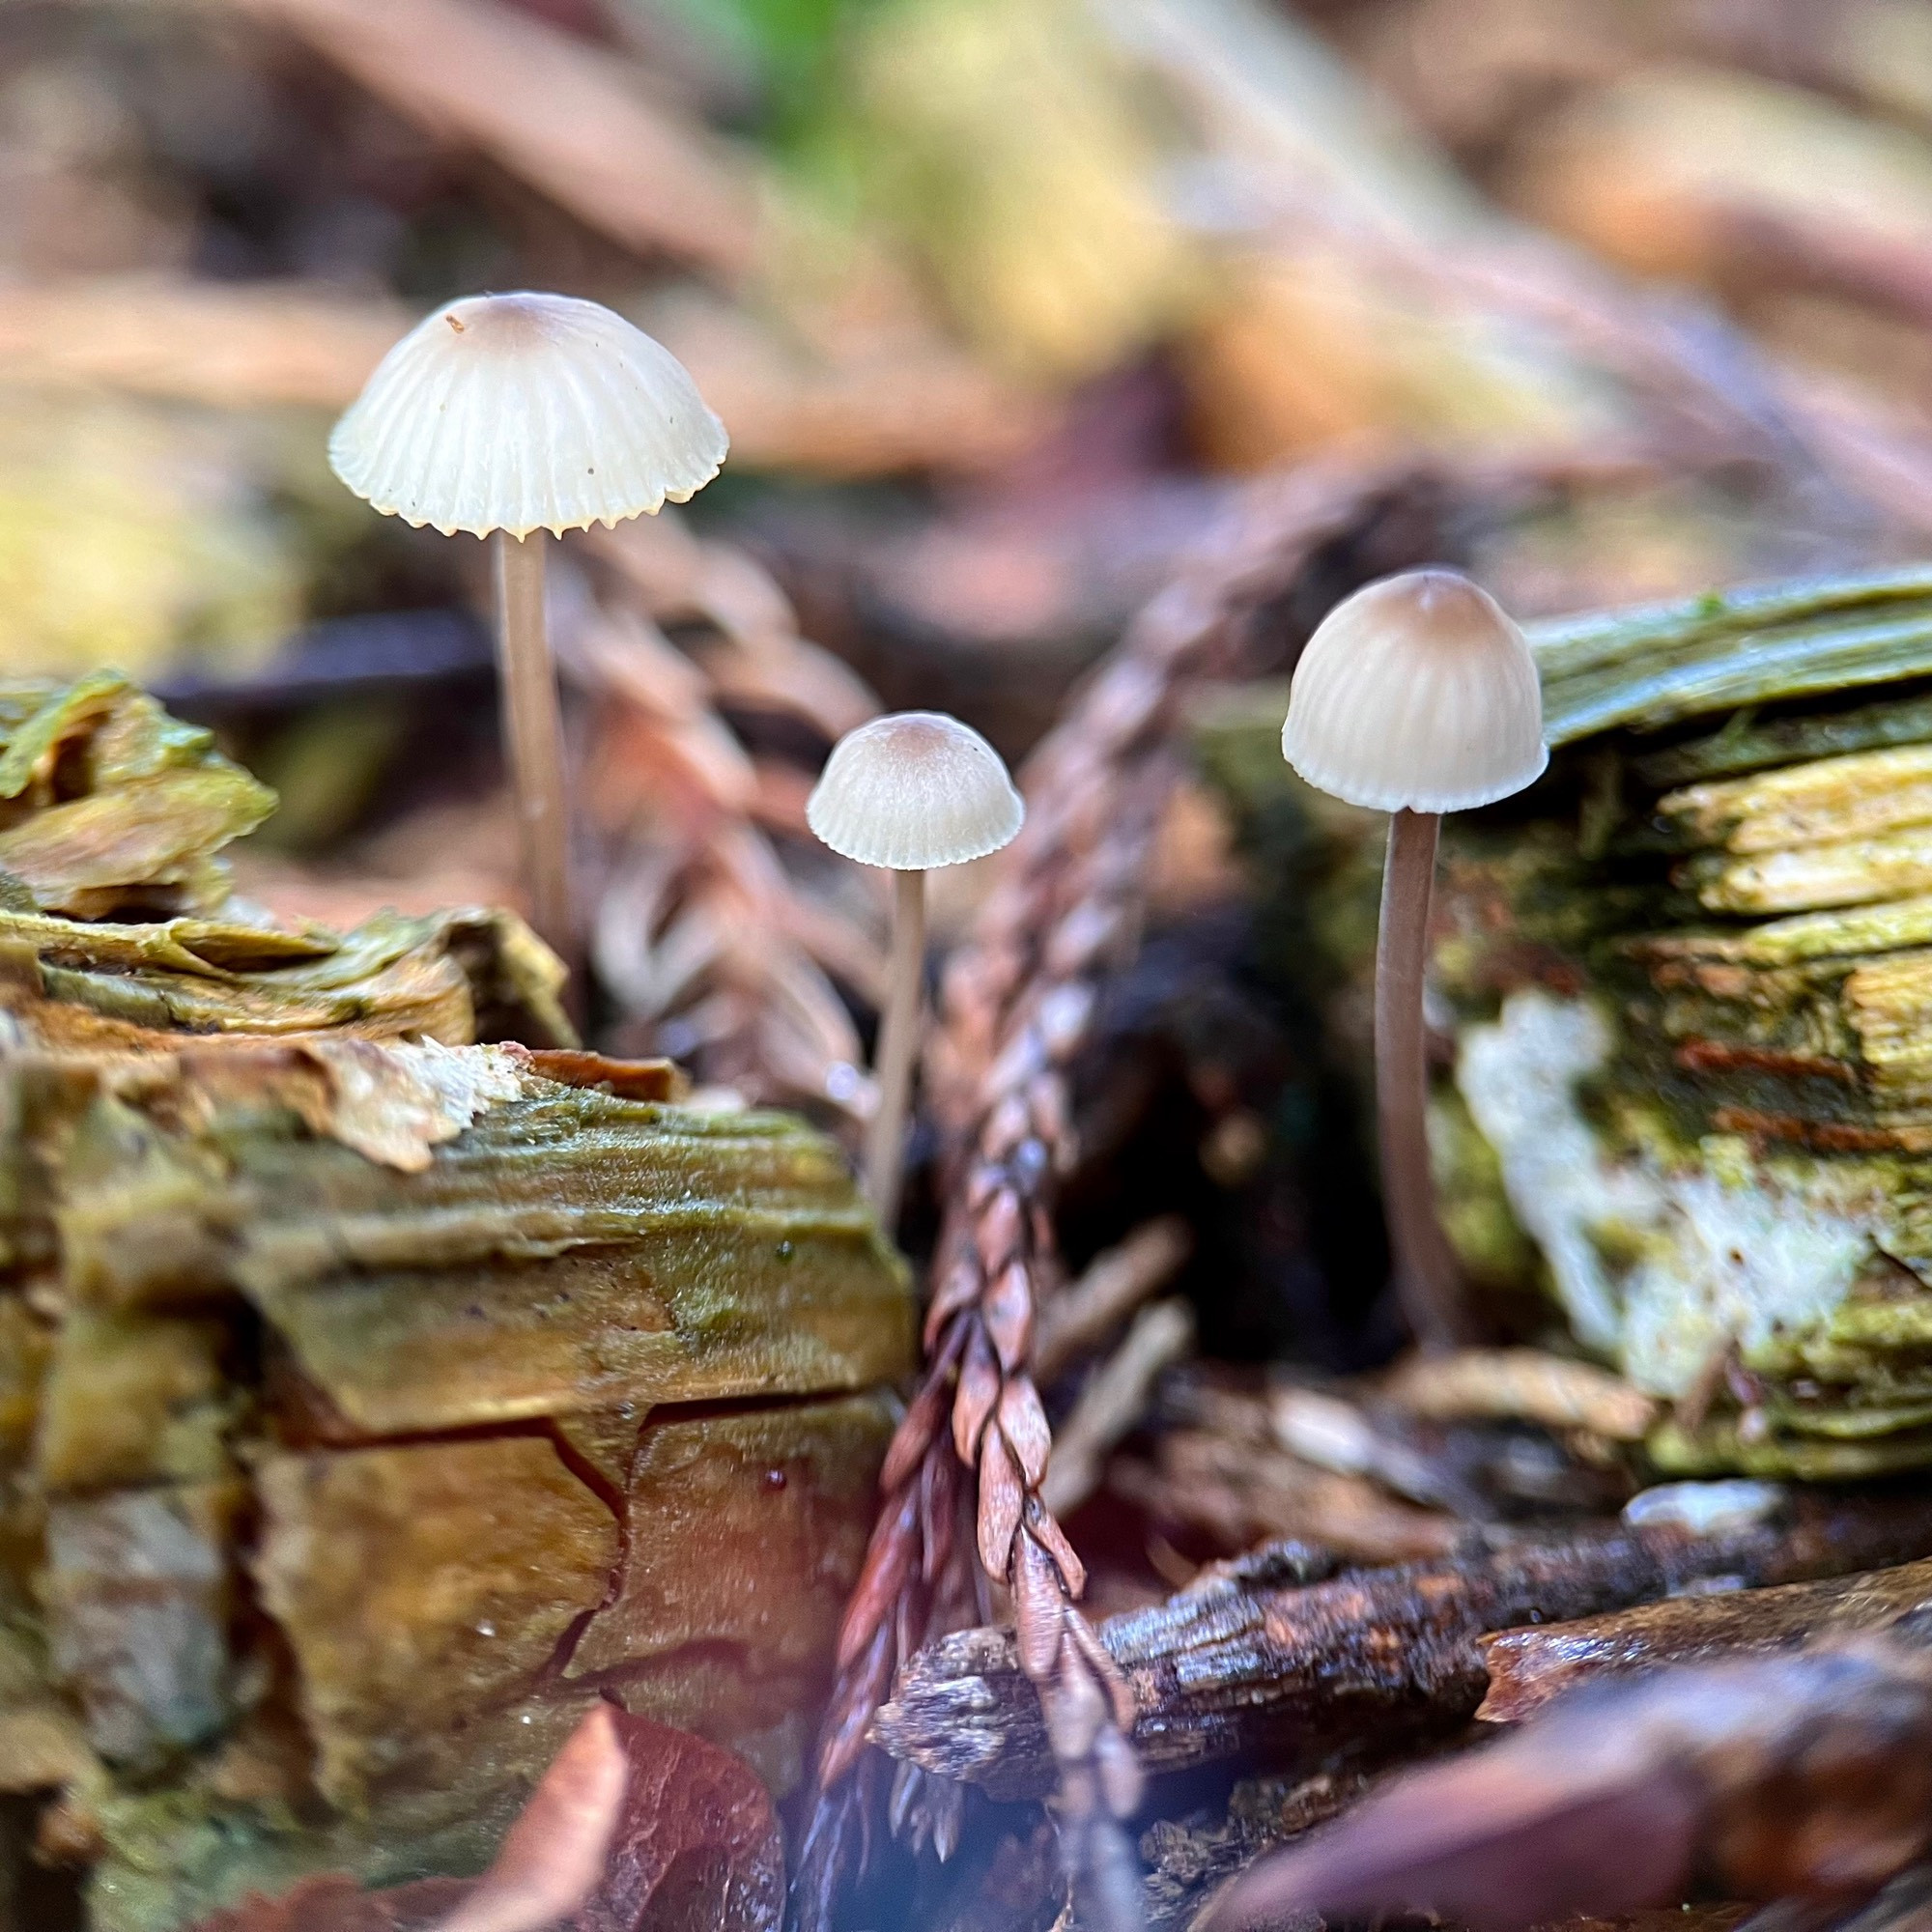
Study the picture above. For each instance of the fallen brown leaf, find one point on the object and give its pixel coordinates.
(1800, 1778)
(697, 1847)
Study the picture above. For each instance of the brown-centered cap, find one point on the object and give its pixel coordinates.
(914, 791)
(1417, 692)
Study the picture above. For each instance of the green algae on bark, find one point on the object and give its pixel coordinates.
(372, 1400)
(339, 1486)
(1689, 978)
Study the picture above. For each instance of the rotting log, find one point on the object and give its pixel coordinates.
(372, 1400)
(369, 1411)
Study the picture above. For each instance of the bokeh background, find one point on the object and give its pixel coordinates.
(1003, 300)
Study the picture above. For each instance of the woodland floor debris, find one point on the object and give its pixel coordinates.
(1302, 1668)
(954, 246)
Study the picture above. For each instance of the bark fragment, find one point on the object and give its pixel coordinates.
(416, 1584)
(1527, 1667)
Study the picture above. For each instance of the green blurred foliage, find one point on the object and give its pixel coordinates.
(790, 46)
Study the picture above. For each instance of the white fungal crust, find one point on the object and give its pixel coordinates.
(526, 412)
(1418, 692)
(915, 791)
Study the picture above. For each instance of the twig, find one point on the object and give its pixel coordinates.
(1114, 1402)
(1081, 1317)
(1232, 1668)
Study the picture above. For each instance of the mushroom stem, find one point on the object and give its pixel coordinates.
(533, 735)
(898, 1043)
(1427, 1280)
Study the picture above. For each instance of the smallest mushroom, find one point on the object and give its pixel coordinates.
(910, 793)
(1415, 696)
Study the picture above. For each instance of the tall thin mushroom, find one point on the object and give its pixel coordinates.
(1417, 695)
(512, 416)
(910, 792)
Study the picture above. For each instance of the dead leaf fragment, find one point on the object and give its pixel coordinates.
(390, 1101)
(697, 1848)
(554, 1856)
(664, 1831)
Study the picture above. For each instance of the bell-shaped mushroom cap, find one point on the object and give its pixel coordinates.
(1417, 692)
(914, 791)
(526, 412)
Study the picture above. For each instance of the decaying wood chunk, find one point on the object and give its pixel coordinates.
(140, 1593)
(1229, 1667)
(443, 1399)
(416, 1584)
(750, 1513)
(480, 1502)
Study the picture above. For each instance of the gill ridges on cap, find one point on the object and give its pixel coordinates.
(527, 411)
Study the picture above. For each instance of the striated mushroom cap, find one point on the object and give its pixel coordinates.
(521, 412)
(1416, 692)
(915, 791)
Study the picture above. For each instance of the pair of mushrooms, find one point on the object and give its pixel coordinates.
(518, 415)
(1417, 695)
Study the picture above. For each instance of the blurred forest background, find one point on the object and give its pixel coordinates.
(1009, 307)
(1001, 301)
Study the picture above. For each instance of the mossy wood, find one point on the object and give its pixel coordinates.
(371, 1400)
(1690, 982)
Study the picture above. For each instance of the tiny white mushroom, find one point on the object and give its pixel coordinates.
(1417, 695)
(909, 793)
(512, 416)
